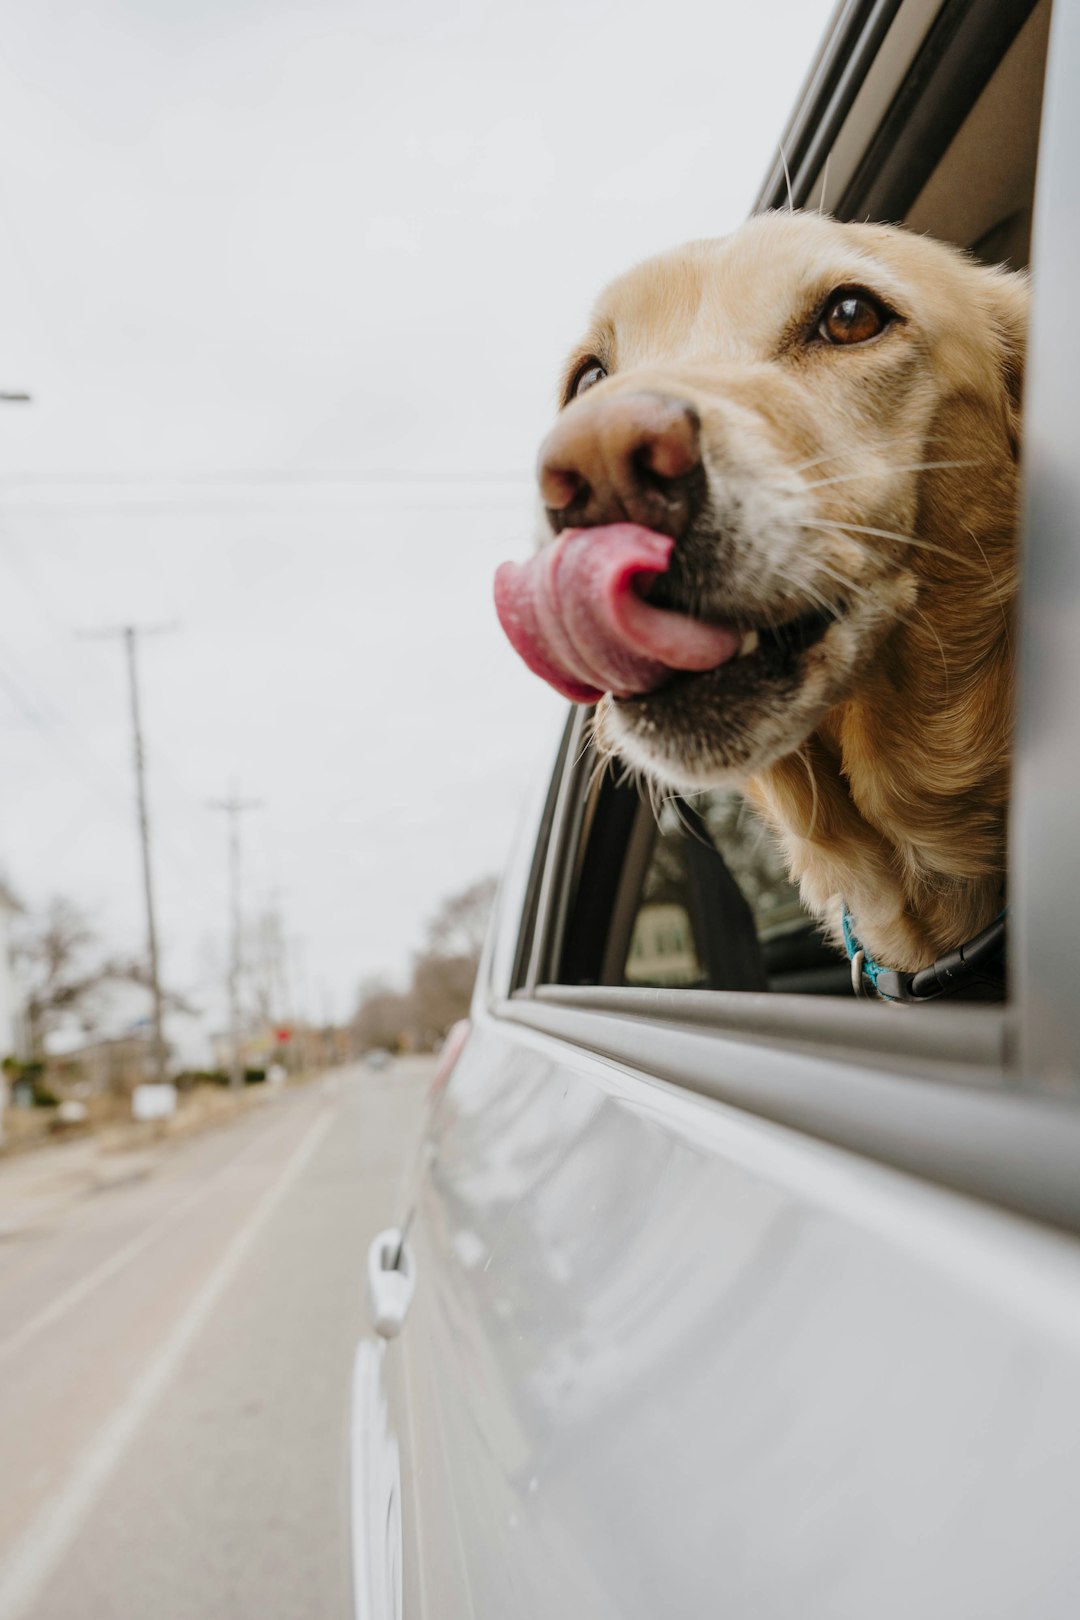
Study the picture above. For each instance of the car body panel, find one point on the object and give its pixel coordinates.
(667, 1358)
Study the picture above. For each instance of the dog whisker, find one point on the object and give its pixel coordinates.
(848, 584)
(914, 443)
(600, 766)
(881, 534)
(844, 455)
(678, 807)
(915, 466)
(859, 590)
(804, 755)
(994, 583)
(805, 587)
(919, 614)
(787, 179)
(824, 183)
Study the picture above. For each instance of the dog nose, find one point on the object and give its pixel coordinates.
(633, 456)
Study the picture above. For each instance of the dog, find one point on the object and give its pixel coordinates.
(780, 524)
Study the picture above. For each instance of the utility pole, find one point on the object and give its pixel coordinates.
(276, 992)
(234, 808)
(130, 634)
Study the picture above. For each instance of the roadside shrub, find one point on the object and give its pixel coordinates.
(215, 1077)
(28, 1088)
(190, 1078)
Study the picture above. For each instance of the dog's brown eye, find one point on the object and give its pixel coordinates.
(852, 316)
(588, 376)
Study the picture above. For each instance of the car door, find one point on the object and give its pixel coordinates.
(733, 1294)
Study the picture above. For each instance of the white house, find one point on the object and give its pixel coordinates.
(10, 1001)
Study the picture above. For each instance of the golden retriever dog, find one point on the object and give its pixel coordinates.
(781, 514)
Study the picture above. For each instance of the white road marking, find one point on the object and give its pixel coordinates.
(41, 1548)
(93, 1280)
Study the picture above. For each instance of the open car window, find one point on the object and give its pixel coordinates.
(688, 895)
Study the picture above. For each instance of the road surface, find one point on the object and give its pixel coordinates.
(175, 1362)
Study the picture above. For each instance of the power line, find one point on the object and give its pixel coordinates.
(48, 717)
(264, 497)
(21, 701)
(212, 478)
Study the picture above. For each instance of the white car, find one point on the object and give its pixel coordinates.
(716, 1294)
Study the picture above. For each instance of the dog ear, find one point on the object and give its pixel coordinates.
(1010, 296)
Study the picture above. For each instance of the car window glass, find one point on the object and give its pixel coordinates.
(663, 948)
(687, 917)
(689, 895)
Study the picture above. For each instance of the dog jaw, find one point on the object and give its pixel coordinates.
(717, 728)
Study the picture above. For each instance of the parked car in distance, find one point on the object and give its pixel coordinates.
(766, 1303)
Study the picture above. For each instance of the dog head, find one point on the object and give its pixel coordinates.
(779, 454)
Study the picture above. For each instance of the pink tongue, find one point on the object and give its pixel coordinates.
(575, 616)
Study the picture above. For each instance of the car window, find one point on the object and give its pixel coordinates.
(684, 898)
(687, 894)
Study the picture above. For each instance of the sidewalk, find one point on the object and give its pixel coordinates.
(39, 1182)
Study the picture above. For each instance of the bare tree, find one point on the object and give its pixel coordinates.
(63, 972)
(444, 972)
(442, 989)
(58, 969)
(460, 924)
(383, 1017)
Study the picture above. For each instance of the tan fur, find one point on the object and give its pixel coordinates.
(886, 774)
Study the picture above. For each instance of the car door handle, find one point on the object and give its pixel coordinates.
(391, 1279)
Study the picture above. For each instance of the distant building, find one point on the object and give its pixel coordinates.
(115, 1064)
(11, 1008)
(106, 1043)
(662, 950)
(103, 1044)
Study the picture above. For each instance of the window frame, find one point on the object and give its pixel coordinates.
(1046, 789)
(926, 62)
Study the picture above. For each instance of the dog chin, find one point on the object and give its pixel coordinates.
(716, 729)
(690, 753)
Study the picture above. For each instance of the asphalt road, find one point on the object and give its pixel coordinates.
(175, 1363)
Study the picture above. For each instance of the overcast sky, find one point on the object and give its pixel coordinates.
(291, 285)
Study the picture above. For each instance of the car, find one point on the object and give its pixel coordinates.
(756, 1299)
